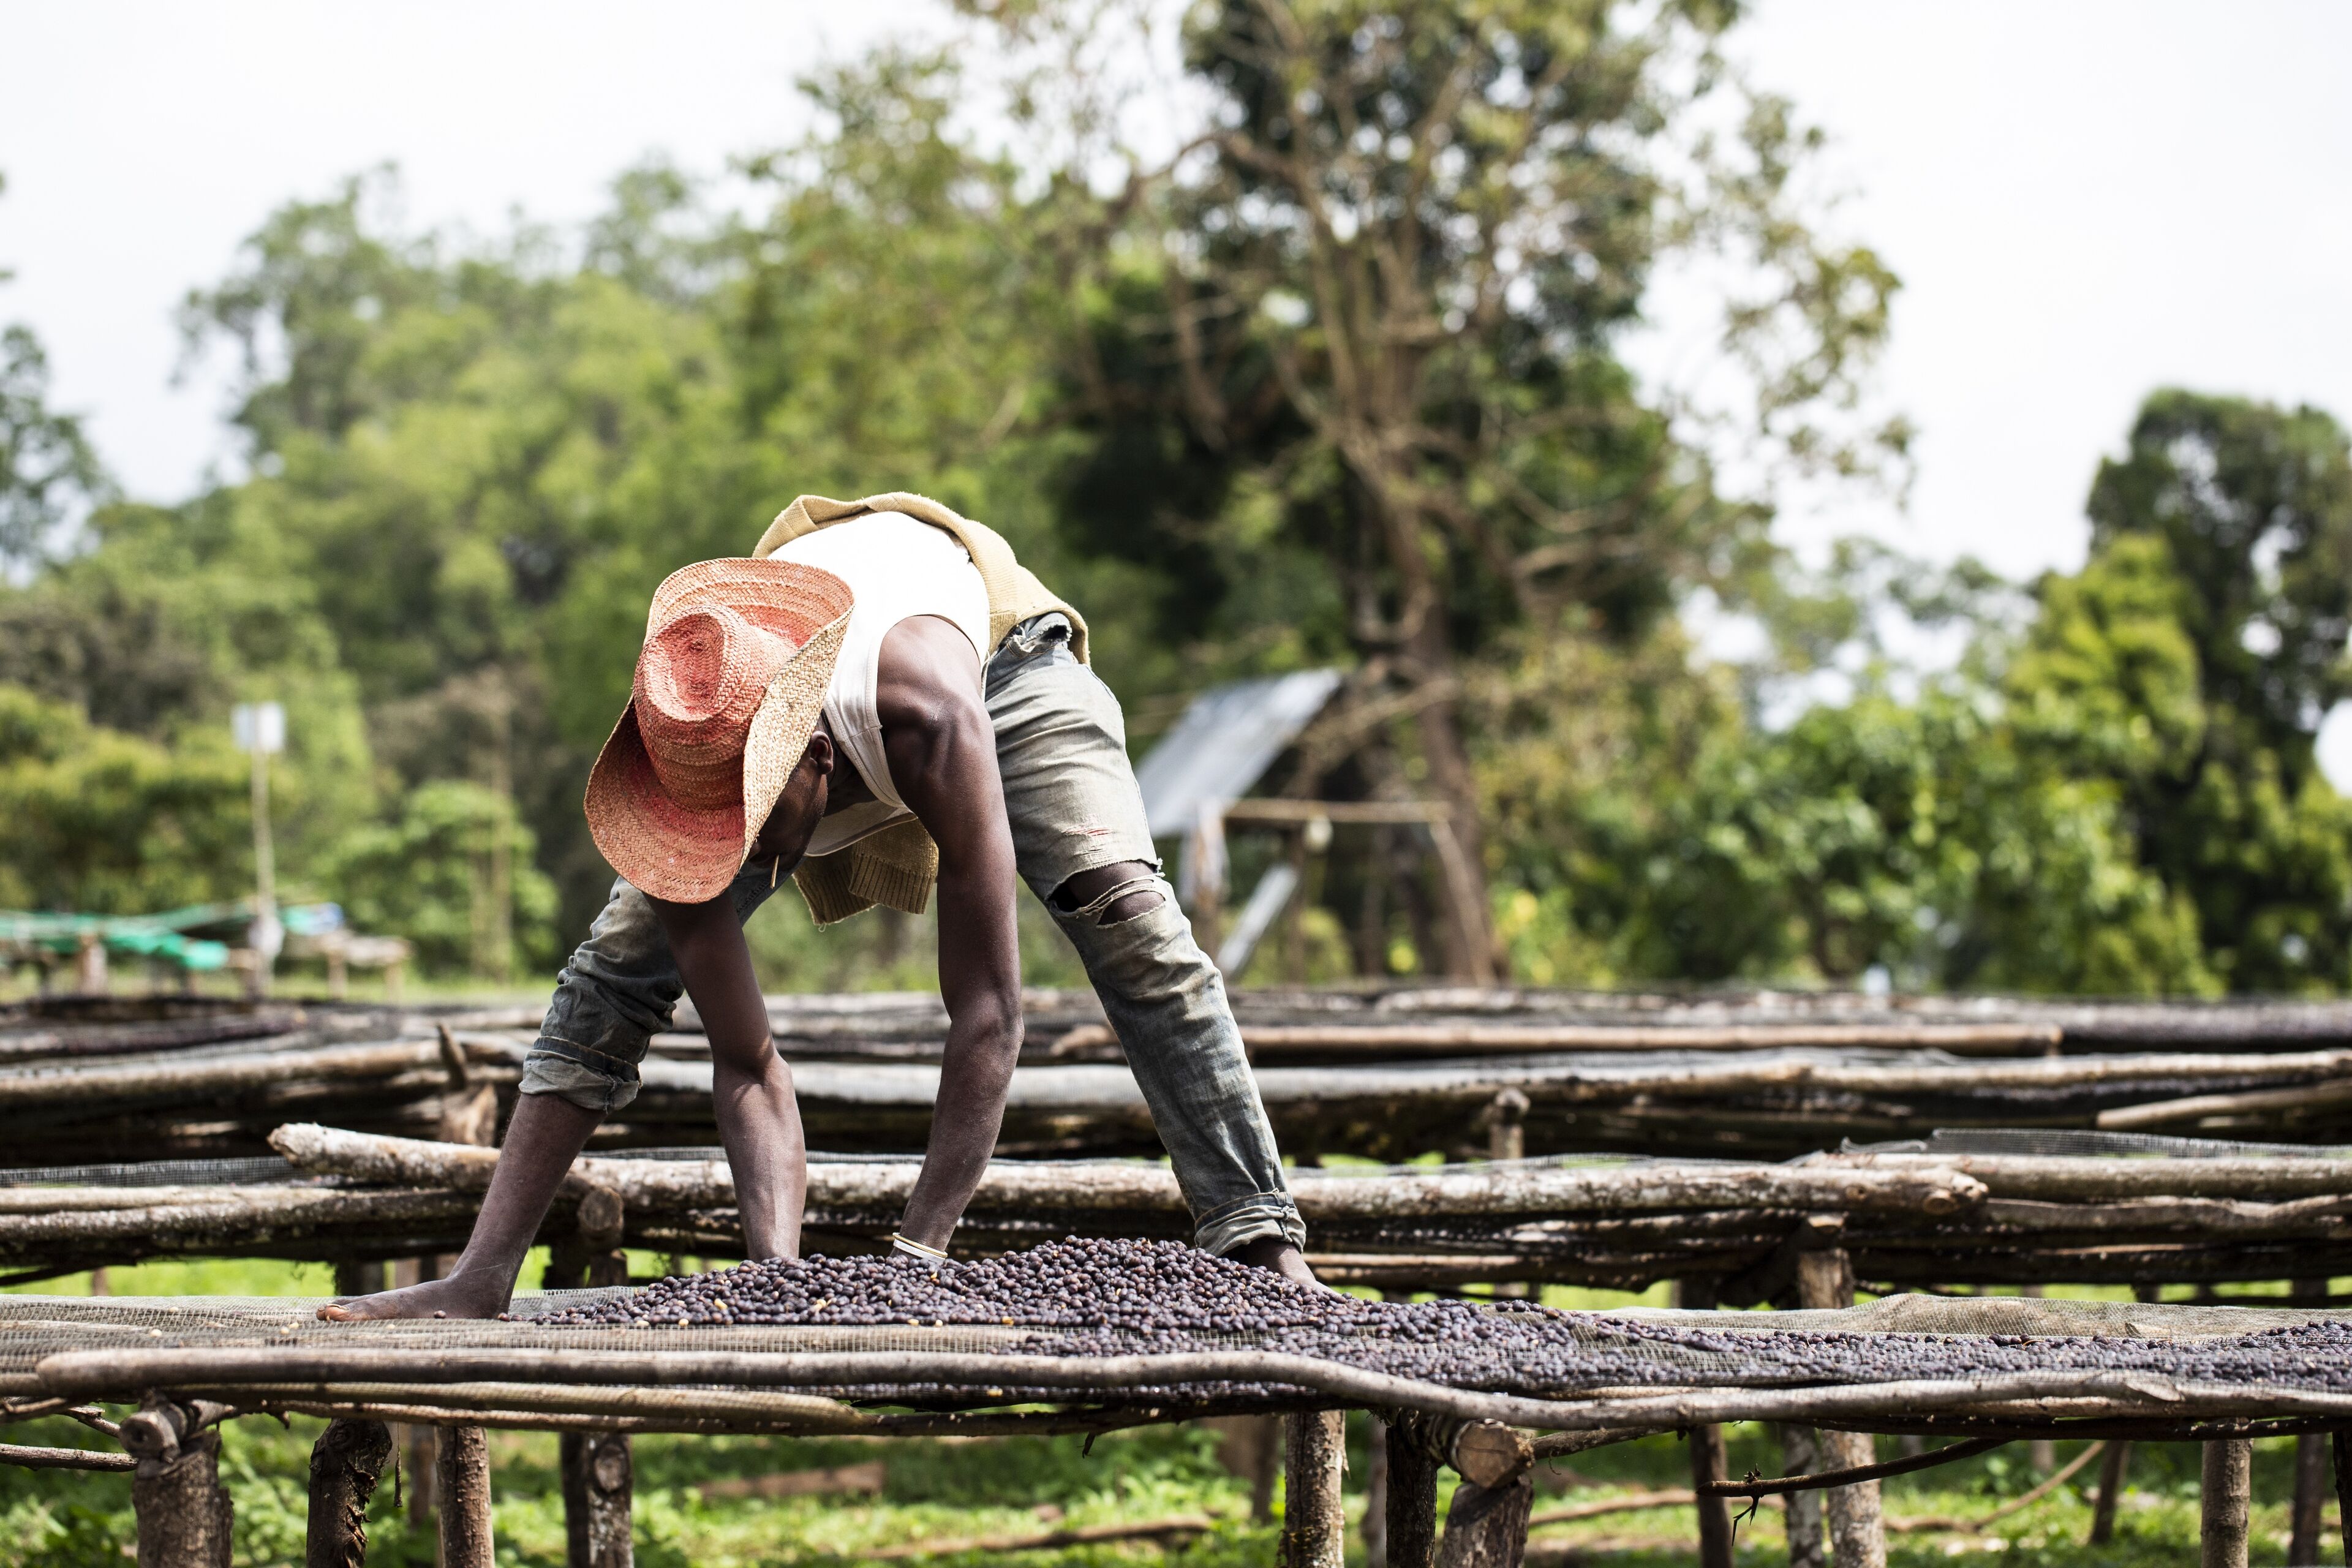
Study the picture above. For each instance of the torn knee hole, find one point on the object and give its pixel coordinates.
(1132, 906)
(1110, 895)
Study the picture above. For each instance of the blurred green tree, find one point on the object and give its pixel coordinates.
(1349, 362)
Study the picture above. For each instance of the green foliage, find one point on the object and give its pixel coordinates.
(428, 874)
(105, 823)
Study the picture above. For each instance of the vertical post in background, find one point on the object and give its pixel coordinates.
(2041, 1453)
(2311, 1481)
(1201, 875)
(2113, 1464)
(1376, 1495)
(1801, 1455)
(1857, 1525)
(1706, 1450)
(259, 729)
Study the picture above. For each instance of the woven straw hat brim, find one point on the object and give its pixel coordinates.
(684, 854)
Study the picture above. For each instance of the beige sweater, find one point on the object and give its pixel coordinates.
(898, 865)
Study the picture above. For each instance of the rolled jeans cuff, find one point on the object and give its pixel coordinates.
(587, 1078)
(1229, 1227)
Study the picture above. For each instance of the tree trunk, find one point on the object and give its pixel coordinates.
(2223, 1503)
(1314, 1525)
(597, 1480)
(346, 1463)
(461, 1475)
(1488, 1528)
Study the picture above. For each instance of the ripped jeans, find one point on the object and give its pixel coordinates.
(1070, 797)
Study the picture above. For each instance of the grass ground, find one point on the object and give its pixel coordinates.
(935, 1490)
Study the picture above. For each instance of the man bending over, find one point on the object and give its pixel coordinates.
(880, 701)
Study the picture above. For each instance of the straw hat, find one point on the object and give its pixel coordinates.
(729, 682)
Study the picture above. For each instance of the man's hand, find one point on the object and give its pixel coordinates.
(942, 750)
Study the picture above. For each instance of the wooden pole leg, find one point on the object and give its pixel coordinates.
(2341, 1443)
(461, 1479)
(597, 1481)
(1857, 1525)
(346, 1463)
(1314, 1525)
(1486, 1527)
(2312, 1484)
(2113, 1465)
(184, 1516)
(1376, 1496)
(2223, 1503)
(1412, 1503)
(1801, 1455)
(1707, 1467)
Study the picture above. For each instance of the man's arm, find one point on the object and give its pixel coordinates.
(751, 1085)
(942, 750)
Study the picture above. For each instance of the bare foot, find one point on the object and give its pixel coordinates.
(459, 1296)
(1276, 1252)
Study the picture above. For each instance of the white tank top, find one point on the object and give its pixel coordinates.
(896, 567)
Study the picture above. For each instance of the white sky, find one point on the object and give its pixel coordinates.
(2084, 200)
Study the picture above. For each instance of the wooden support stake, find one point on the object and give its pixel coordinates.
(2311, 1486)
(346, 1463)
(1487, 1527)
(1314, 1525)
(2342, 1444)
(1706, 1454)
(603, 1214)
(2311, 1477)
(2041, 1453)
(1376, 1496)
(1411, 1521)
(2113, 1464)
(1857, 1525)
(1801, 1455)
(1250, 1447)
(1707, 1460)
(184, 1516)
(461, 1475)
(2223, 1502)
(597, 1481)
